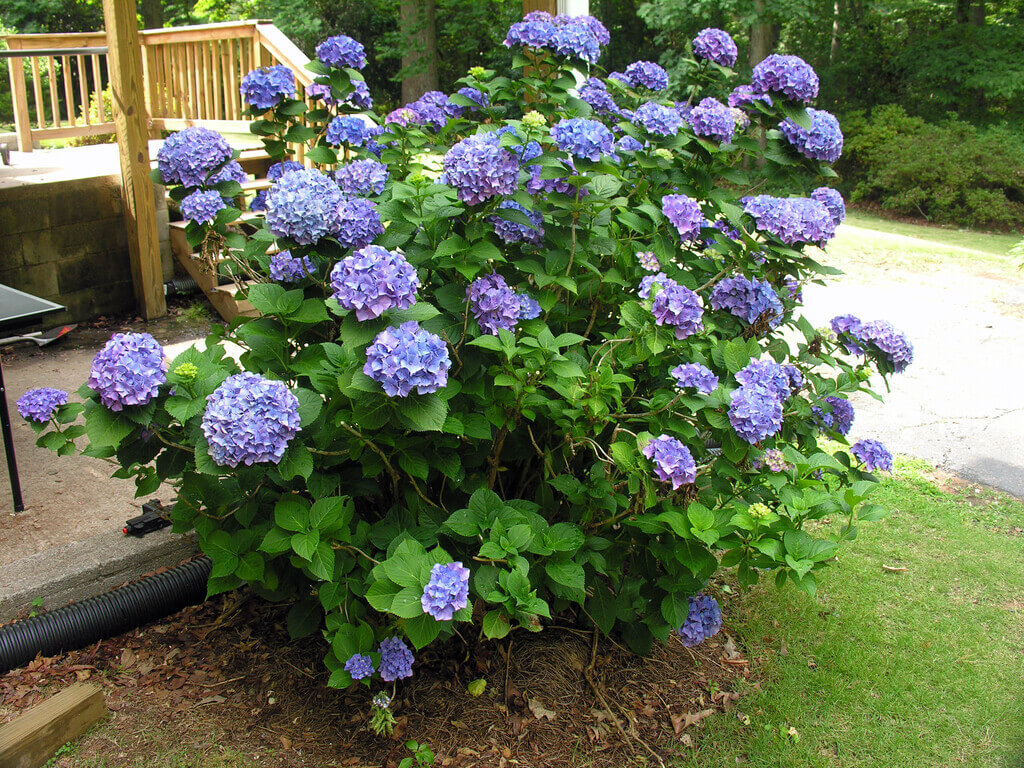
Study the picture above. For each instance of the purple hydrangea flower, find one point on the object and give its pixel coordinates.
(432, 108)
(628, 144)
(361, 178)
(595, 93)
(849, 325)
(648, 261)
(359, 666)
(513, 231)
(796, 378)
(673, 462)
(202, 207)
(775, 460)
(535, 33)
(747, 299)
(360, 97)
(529, 307)
(189, 156)
(755, 413)
(823, 142)
(346, 129)
(723, 226)
(579, 37)
(259, 201)
(794, 291)
(408, 358)
(250, 420)
(874, 455)
(789, 75)
(583, 138)
(480, 168)
(791, 219)
(494, 304)
(475, 95)
(342, 51)
(715, 45)
(447, 591)
(833, 202)
(277, 170)
(395, 659)
(303, 205)
(892, 343)
(711, 118)
(373, 280)
(657, 119)
(767, 374)
(401, 116)
(128, 370)
(695, 375)
(320, 91)
(267, 87)
(685, 214)
(703, 621)
(679, 307)
(840, 415)
(231, 171)
(745, 95)
(358, 223)
(288, 269)
(41, 404)
(683, 109)
(649, 281)
(648, 75)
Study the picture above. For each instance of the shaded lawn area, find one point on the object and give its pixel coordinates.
(984, 242)
(914, 669)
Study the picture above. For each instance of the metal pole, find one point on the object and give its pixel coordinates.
(12, 465)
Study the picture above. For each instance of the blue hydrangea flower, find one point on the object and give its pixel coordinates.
(796, 378)
(360, 97)
(259, 201)
(745, 95)
(711, 118)
(342, 51)
(673, 462)
(648, 75)
(848, 327)
(358, 223)
(189, 156)
(679, 307)
(373, 280)
(41, 404)
(578, 37)
(128, 370)
(715, 45)
(628, 144)
(529, 307)
(480, 168)
(704, 620)
(320, 91)
(775, 460)
(695, 375)
(231, 171)
(395, 659)
(657, 119)
(767, 374)
(683, 109)
(401, 116)
(432, 109)
(513, 231)
(823, 142)
(874, 455)
(277, 170)
(289, 269)
(840, 415)
(250, 420)
(493, 303)
(361, 178)
(202, 207)
(303, 205)
(595, 93)
(531, 33)
(747, 299)
(447, 591)
(475, 95)
(791, 219)
(359, 666)
(789, 75)
(833, 202)
(726, 229)
(267, 87)
(408, 358)
(755, 413)
(583, 138)
(648, 282)
(685, 214)
(892, 343)
(648, 260)
(346, 129)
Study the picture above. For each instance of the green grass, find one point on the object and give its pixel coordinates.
(919, 669)
(995, 244)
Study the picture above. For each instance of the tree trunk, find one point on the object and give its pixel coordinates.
(978, 14)
(419, 39)
(152, 14)
(763, 35)
(963, 8)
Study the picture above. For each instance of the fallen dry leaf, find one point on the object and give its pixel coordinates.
(895, 568)
(286, 743)
(127, 658)
(685, 720)
(540, 711)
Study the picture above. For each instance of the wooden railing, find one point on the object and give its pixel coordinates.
(191, 76)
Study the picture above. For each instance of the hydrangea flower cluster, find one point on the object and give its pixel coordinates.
(358, 223)
(824, 141)
(290, 269)
(583, 138)
(891, 342)
(250, 420)
(493, 303)
(447, 591)
(874, 455)
(695, 375)
(673, 462)
(767, 374)
(41, 404)
(647, 74)
(715, 45)
(360, 97)
(792, 219)
(628, 144)
(231, 171)
(529, 307)
(342, 51)
(346, 129)
(748, 299)
(685, 214)
(755, 412)
(267, 87)
(277, 170)
(848, 327)
(648, 261)
(648, 282)
(704, 620)
(679, 307)
(840, 415)
(359, 666)
(745, 95)
(408, 358)
(202, 207)
(395, 659)
(579, 37)
(595, 93)
(513, 231)
(833, 202)
(775, 460)
(362, 178)
(189, 156)
(373, 280)
(790, 76)
(657, 119)
(711, 118)
(303, 205)
(433, 109)
(128, 370)
(480, 168)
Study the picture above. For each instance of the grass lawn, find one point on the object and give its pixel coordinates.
(996, 244)
(915, 669)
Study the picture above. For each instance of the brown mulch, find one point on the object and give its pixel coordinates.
(227, 671)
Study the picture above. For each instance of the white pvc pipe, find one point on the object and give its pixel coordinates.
(573, 7)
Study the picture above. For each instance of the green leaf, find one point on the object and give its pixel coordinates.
(304, 618)
(265, 297)
(250, 567)
(404, 569)
(381, 595)
(496, 625)
(105, 428)
(675, 609)
(326, 513)
(424, 413)
(406, 604)
(567, 573)
(276, 541)
(322, 155)
(221, 550)
(700, 517)
(422, 630)
(310, 404)
(296, 462)
(603, 608)
(565, 537)
(736, 356)
(321, 564)
(292, 513)
(305, 544)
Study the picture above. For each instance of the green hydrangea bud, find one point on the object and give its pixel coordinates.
(477, 72)
(662, 152)
(186, 371)
(417, 179)
(759, 511)
(534, 119)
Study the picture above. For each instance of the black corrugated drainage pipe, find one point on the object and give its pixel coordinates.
(112, 613)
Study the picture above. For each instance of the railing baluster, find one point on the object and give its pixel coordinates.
(232, 81)
(37, 91)
(209, 83)
(218, 83)
(97, 82)
(54, 111)
(172, 93)
(69, 93)
(83, 88)
(181, 78)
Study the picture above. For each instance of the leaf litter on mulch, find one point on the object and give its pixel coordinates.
(226, 671)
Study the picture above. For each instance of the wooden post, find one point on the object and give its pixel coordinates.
(124, 58)
(16, 69)
(551, 6)
(33, 737)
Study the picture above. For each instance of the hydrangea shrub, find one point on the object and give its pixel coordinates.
(523, 351)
